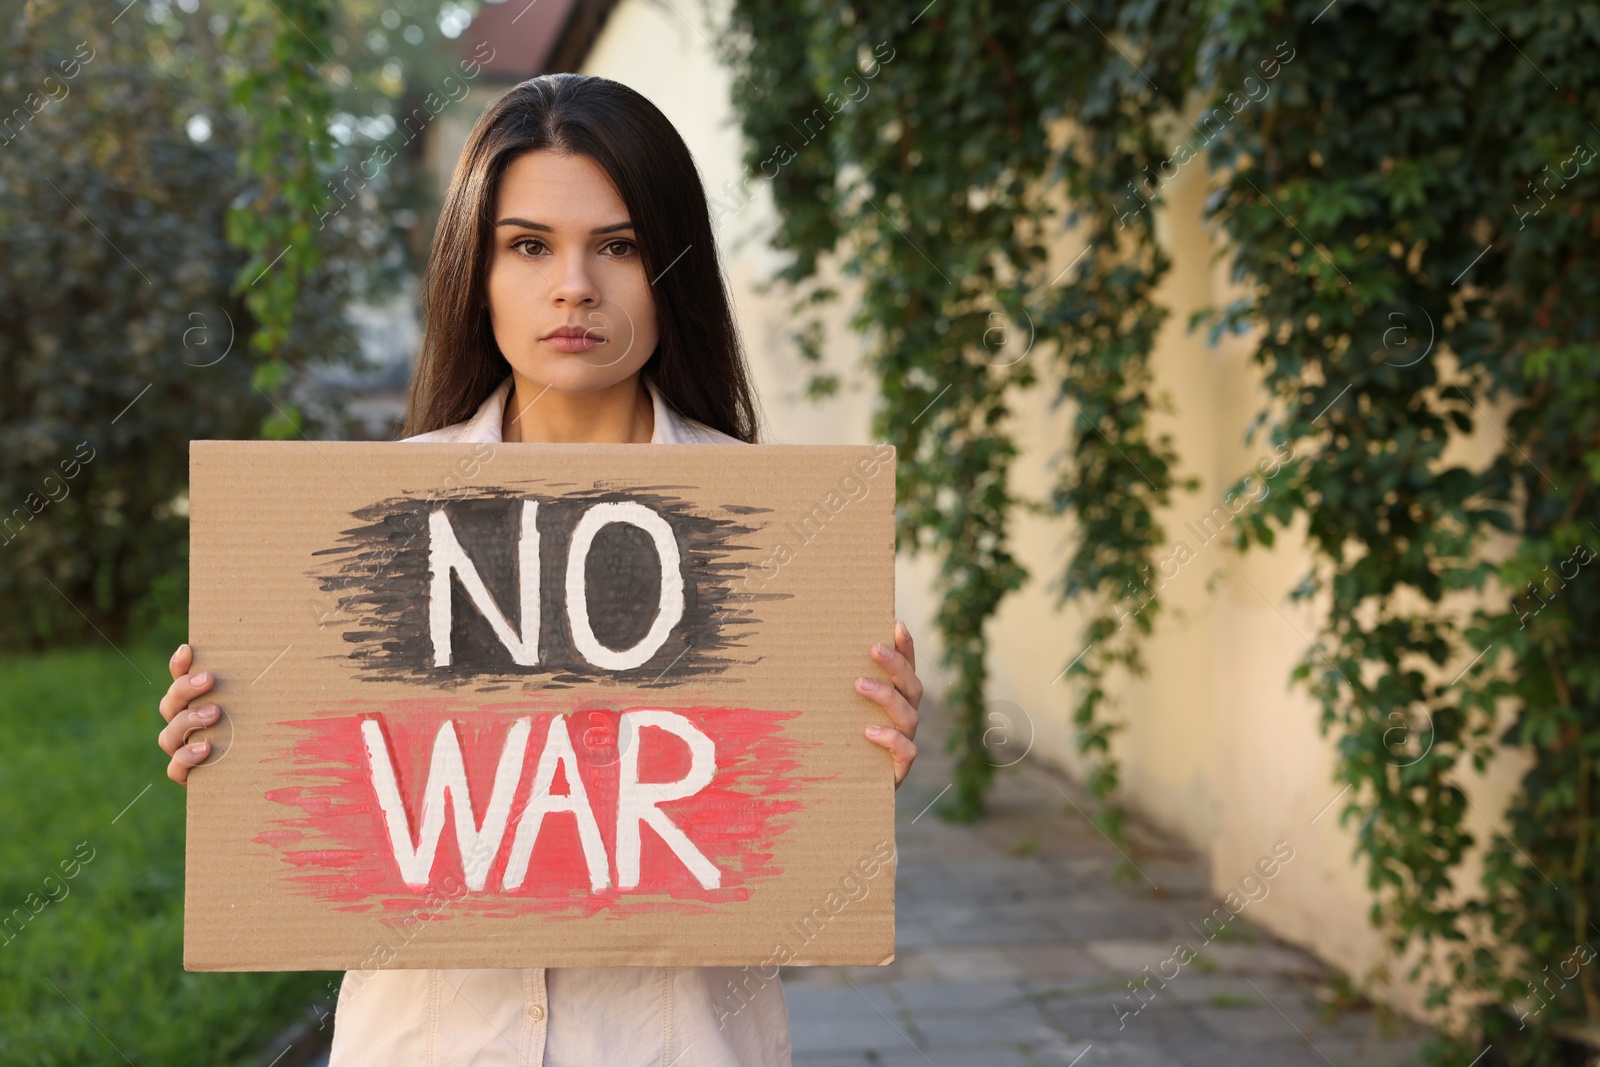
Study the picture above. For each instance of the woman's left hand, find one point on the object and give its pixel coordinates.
(900, 700)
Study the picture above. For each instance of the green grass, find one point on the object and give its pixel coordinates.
(96, 976)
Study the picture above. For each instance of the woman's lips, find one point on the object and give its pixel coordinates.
(573, 344)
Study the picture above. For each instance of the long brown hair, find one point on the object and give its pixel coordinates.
(631, 140)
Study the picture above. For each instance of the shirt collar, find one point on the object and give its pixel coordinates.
(487, 423)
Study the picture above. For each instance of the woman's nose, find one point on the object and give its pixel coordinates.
(576, 284)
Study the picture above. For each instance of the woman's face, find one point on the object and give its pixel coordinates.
(566, 260)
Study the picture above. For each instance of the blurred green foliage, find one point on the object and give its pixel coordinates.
(113, 292)
(129, 324)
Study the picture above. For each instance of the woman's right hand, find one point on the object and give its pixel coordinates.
(180, 723)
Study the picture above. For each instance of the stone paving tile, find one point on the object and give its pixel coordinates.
(983, 1030)
(848, 1036)
(1017, 938)
(963, 997)
(965, 962)
(995, 1057)
(1059, 963)
(848, 1001)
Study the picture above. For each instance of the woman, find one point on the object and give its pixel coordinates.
(572, 295)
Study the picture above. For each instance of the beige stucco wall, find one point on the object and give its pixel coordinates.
(1219, 750)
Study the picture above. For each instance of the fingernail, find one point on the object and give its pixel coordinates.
(900, 628)
(881, 649)
(198, 750)
(207, 712)
(875, 731)
(866, 685)
(201, 679)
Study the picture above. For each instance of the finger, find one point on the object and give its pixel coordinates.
(903, 643)
(183, 690)
(890, 699)
(901, 670)
(185, 759)
(180, 661)
(176, 734)
(900, 747)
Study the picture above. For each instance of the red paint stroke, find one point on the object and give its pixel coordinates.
(734, 821)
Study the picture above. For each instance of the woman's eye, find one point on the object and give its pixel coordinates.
(522, 246)
(619, 247)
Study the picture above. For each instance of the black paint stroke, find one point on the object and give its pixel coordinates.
(381, 569)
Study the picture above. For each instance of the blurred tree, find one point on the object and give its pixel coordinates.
(126, 317)
(119, 336)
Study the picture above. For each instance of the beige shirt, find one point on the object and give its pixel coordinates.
(564, 1016)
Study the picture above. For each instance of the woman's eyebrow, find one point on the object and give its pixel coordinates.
(527, 225)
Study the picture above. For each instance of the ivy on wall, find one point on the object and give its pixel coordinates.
(1416, 212)
(943, 201)
(1408, 196)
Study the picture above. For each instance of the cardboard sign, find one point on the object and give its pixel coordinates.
(517, 705)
